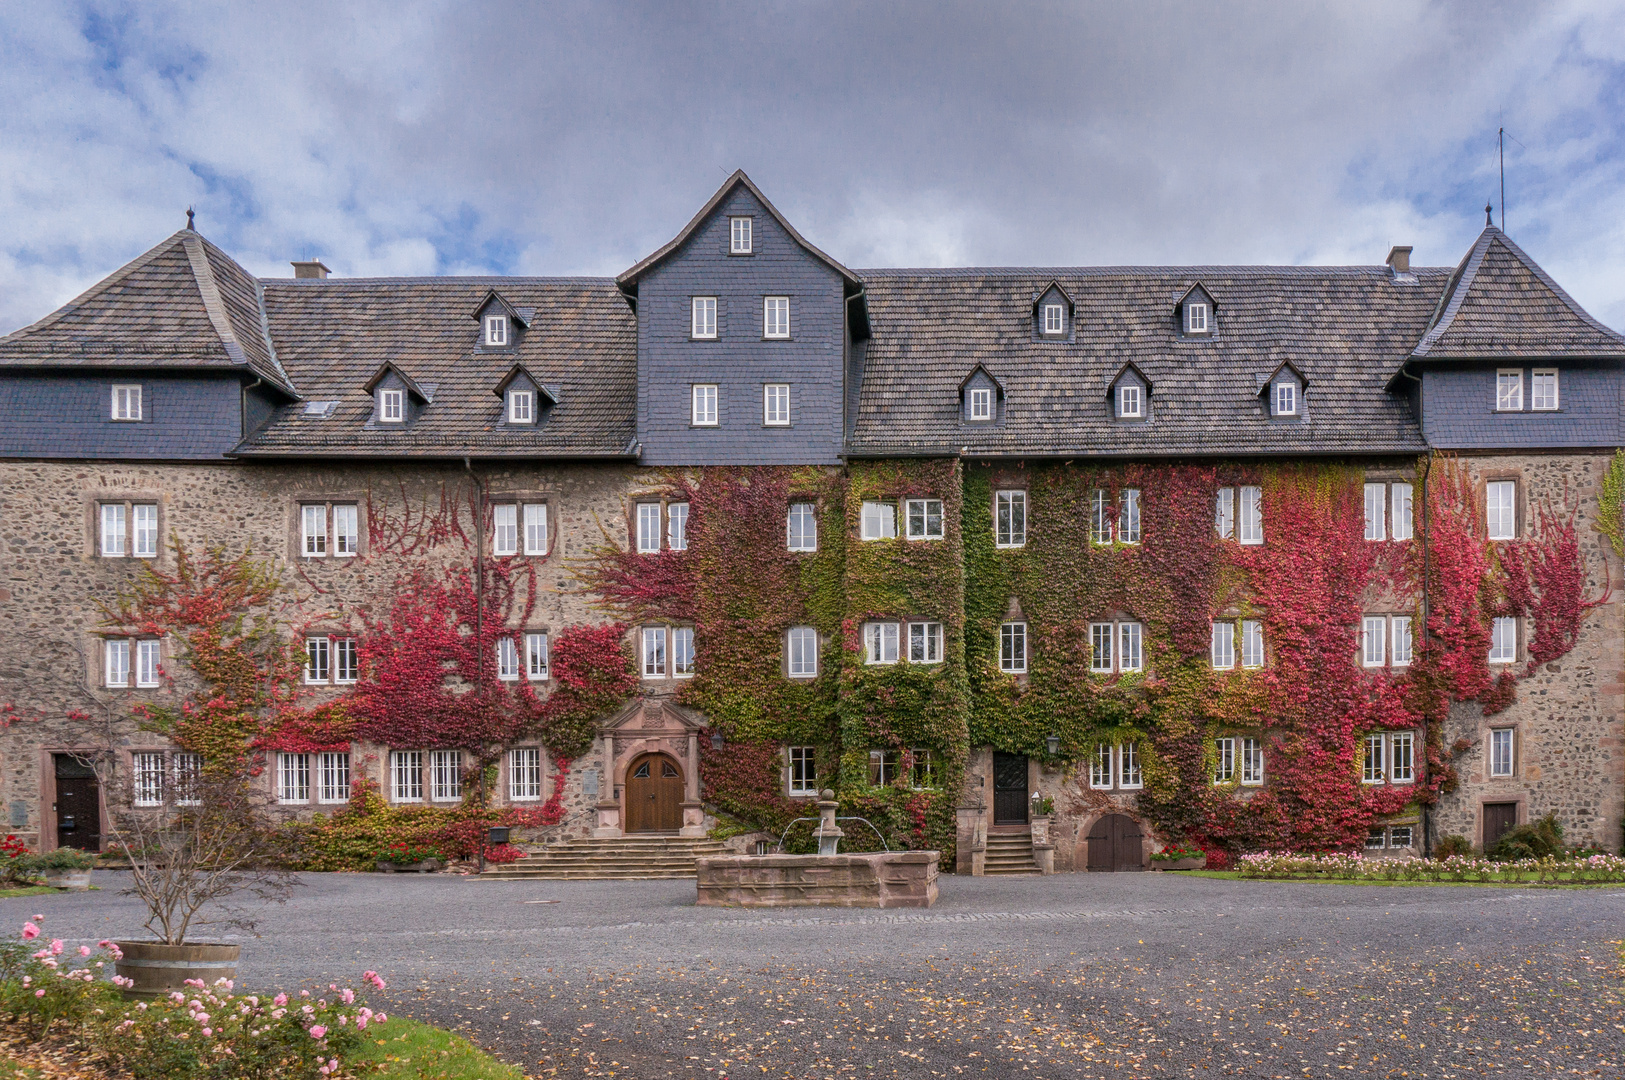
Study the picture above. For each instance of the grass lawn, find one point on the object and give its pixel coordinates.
(26, 890)
(414, 1051)
(1232, 875)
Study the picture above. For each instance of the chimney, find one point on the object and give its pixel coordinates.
(313, 268)
(1399, 260)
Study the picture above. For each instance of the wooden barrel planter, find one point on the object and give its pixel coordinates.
(158, 969)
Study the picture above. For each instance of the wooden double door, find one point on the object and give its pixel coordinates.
(1115, 844)
(654, 794)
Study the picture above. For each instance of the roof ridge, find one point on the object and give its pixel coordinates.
(213, 303)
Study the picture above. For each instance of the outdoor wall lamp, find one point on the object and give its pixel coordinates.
(1053, 742)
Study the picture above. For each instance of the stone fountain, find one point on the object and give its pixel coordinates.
(880, 879)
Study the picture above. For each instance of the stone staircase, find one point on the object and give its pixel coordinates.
(626, 858)
(1009, 853)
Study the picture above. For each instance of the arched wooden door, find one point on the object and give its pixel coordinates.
(654, 794)
(1115, 844)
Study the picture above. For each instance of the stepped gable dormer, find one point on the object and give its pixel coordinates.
(525, 401)
(1052, 313)
(501, 324)
(981, 397)
(1196, 313)
(1283, 391)
(1128, 395)
(397, 399)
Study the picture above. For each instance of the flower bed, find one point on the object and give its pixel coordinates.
(1591, 869)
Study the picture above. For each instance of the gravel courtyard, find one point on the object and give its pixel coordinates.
(1076, 975)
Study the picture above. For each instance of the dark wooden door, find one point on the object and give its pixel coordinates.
(1115, 844)
(654, 794)
(1009, 789)
(78, 805)
(1498, 818)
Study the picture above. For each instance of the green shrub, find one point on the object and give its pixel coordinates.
(1535, 840)
(1452, 845)
(55, 862)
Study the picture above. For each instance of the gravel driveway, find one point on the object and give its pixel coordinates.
(1075, 975)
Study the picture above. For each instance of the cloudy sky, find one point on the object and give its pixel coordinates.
(449, 138)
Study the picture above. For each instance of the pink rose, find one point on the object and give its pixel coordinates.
(280, 1000)
(30, 931)
(39, 918)
(84, 950)
(56, 947)
(381, 1018)
(315, 1033)
(39, 993)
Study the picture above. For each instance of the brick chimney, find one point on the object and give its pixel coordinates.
(313, 268)
(1399, 260)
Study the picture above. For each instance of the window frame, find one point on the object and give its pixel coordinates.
(1223, 633)
(1013, 659)
(653, 648)
(537, 647)
(802, 639)
(185, 770)
(406, 765)
(521, 406)
(775, 404)
(1376, 511)
(1249, 514)
(772, 308)
(877, 635)
(704, 402)
(504, 529)
(882, 507)
(293, 779)
(1224, 766)
(119, 514)
(1374, 758)
(740, 240)
(883, 767)
(143, 531)
(1102, 517)
(980, 405)
(116, 662)
(925, 520)
(1509, 379)
(318, 660)
(1124, 391)
(801, 775)
(1058, 326)
(1128, 765)
(922, 769)
(1252, 631)
(533, 524)
(1510, 521)
(496, 331)
(702, 324)
(1250, 770)
(1396, 623)
(1192, 310)
(1501, 650)
(525, 780)
(445, 776)
(1373, 643)
(1128, 516)
(147, 777)
(1123, 634)
(132, 394)
(147, 651)
(1102, 767)
(682, 656)
(648, 531)
(1502, 765)
(392, 405)
(676, 514)
(1401, 493)
(507, 659)
(1102, 660)
(931, 641)
(1286, 398)
(346, 661)
(1008, 505)
(1535, 376)
(807, 516)
(1224, 513)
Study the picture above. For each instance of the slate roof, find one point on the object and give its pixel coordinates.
(182, 305)
(1347, 329)
(335, 334)
(1501, 305)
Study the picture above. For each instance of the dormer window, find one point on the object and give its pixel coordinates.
(126, 403)
(392, 405)
(1195, 318)
(1130, 402)
(1054, 319)
(496, 330)
(739, 236)
(1509, 390)
(521, 407)
(1286, 399)
(1543, 389)
(981, 403)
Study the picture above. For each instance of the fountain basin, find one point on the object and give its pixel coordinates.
(883, 879)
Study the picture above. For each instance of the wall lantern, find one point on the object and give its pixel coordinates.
(1053, 742)
(716, 740)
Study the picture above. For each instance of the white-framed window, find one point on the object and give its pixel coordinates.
(776, 316)
(879, 521)
(505, 529)
(314, 530)
(801, 527)
(704, 317)
(803, 770)
(1054, 319)
(1224, 514)
(1401, 836)
(924, 519)
(1251, 526)
(1401, 494)
(1402, 757)
(1102, 517)
(346, 660)
(391, 406)
(524, 773)
(1129, 774)
(882, 767)
(1130, 402)
(536, 538)
(315, 540)
(925, 643)
(801, 647)
(1252, 762)
(1130, 650)
(496, 330)
(1543, 389)
(406, 776)
(1374, 769)
(293, 778)
(187, 769)
(333, 777)
(922, 769)
(521, 406)
(1374, 838)
(113, 530)
(1399, 630)
(536, 666)
(1503, 640)
(1376, 505)
(507, 659)
(1501, 509)
(648, 528)
(1224, 646)
(739, 236)
(146, 662)
(1010, 519)
(1286, 399)
(445, 775)
(126, 402)
(318, 659)
(705, 405)
(1373, 638)
(1502, 757)
(116, 662)
(346, 529)
(1101, 766)
(147, 777)
(146, 530)
(1224, 765)
(1252, 643)
(1196, 318)
(1128, 516)
(981, 403)
(776, 404)
(1101, 635)
(1013, 647)
(1509, 390)
(654, 652)
(677, 526)
(880, 643)
(682, 652)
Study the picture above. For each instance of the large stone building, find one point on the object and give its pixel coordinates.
(1226, 554)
